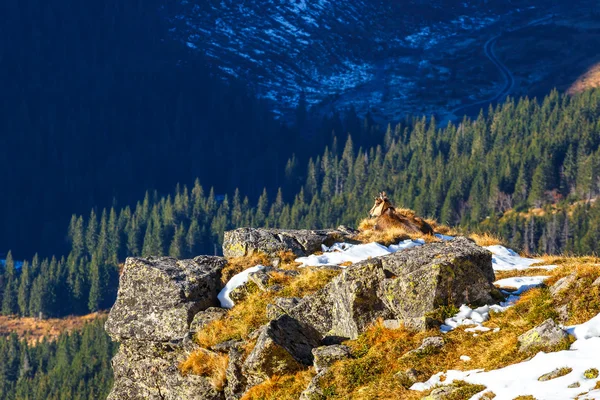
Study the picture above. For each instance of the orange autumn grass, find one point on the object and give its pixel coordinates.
(250, 314)
(377, 355)
(211, 365)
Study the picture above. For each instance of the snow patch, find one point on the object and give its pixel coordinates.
(521, 284)
(341, 253)
(235, 282)
(522, 378)
(506, 259)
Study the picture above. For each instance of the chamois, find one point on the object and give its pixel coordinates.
(388, 217)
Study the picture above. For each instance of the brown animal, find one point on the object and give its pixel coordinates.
(388, 217)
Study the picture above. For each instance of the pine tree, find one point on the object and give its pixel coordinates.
(24, 290)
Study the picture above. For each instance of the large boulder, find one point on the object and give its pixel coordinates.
(421, 279)
(247, 241)
(348, 304)
(407, 286)
(159, 297)
(149, 371)
(283, 345)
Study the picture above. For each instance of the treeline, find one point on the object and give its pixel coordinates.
(74, 366)
(520, 155)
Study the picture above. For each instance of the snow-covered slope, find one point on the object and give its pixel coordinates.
(323, 48)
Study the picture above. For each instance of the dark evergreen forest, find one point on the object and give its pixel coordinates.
(483, 174)
(99, 105)
(74, 366)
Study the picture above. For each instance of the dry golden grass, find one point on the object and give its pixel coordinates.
(377, 354)
(250, 314)
(485, 239)
(591, 79)
(368, 234)
(286, 387)
(208, 364)
(35, 330)
(235, 265)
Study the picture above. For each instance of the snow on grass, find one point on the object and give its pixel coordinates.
(522, 379)
(521, 284)
(235, 282)
(467, 316)
(506, 259)
(341, 253)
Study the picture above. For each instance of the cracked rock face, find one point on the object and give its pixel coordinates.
(150, 372)
(282, 346)
(159, 297)
(247, 241)
(157, 301)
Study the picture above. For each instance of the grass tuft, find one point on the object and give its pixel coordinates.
(208, 364)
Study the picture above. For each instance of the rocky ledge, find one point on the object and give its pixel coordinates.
(163, 301)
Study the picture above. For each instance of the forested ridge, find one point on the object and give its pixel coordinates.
(74, 366)
(480, 174)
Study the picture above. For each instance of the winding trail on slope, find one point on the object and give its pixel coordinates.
(509, 79)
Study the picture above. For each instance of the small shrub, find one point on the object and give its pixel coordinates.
(591, 373)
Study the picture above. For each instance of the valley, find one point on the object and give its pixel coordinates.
(447, 63)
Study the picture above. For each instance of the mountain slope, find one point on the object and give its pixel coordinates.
(325, 48)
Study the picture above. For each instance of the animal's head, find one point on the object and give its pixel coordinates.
(382, 203)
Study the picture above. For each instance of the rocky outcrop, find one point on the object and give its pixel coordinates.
(149, 371)
(159, 297)
(157, 302)
(546, 335)
(162, 302)
(247, 241)
(407, 286)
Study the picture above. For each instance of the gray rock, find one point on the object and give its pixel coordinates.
(314, 391)
(563, 313)
(240, 293)
(347, 305)
(596, 282)
(419, 280)
(282, 306)
(407, 286)
(150, 372)
(443, 393)
(562, 284)
(205, 317)
(429, 345)
(392, 324)
(282, 346)
(236, 381)
(407, 378)
(159, 297)
(225, 347)
(545, 335)
(246, 241)
(557, 373)
(325, 356)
